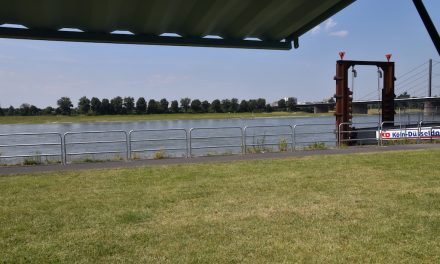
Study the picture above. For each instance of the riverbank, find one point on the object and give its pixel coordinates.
(135, 118)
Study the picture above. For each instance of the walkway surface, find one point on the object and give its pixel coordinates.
(142, 163)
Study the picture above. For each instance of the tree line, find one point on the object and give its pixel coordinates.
(128, 105)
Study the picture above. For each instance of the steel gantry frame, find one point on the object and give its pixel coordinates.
(344, 96)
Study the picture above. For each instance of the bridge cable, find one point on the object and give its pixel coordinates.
(402, 87)
(408, 72)
(400, 81)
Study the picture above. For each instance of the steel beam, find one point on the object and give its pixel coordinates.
(388, 94)
(343, 116)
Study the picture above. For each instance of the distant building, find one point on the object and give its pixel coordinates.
(294, 99)
(275, 103)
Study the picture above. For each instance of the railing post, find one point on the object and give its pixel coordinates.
(243, 144)
(294, 137)
(61, 149)
(127, 158)
(190, 142)
(339, 135)
(65, 147)
(245, 139)
(186, 143)
(129, 144)
(292, 146)
(379, 134)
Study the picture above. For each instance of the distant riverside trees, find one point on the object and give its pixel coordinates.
(95, 105)
(141, 106)
(184, 102)
(83, 105)
(216, 106)
(174, 107)
(129, 105)
(65, 105)
(196, 106)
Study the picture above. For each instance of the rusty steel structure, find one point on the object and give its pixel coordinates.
(344, 95)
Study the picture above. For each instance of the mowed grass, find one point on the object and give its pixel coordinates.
(132, 118)
(363, 208)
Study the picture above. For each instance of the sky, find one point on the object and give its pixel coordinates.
(40, 72)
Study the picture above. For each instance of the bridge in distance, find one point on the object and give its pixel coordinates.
(430, 105)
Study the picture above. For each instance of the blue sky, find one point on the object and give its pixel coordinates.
(39, 72)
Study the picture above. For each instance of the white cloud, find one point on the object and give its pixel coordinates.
(340, 33)
(329, 24)
(315, 30)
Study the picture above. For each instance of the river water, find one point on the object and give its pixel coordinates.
(156, 138)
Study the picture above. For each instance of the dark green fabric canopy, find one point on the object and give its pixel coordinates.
(267, 24)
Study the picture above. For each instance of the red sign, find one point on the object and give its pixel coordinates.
(388, 57)
(342, 54)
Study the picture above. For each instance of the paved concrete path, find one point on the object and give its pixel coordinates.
(141, 163)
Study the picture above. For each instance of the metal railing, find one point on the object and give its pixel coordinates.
(148, 140)
(229, 139)
(200, 138)
(297, 133)
(263, 143)
(354, 133)
(59, 143)
(66, 143)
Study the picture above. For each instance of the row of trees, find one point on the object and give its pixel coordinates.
(128, 105)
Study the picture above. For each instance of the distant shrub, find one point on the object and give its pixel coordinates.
(283, 145)
(161, 154)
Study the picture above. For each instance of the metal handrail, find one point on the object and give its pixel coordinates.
(35, 145)
(295, 133)
(33, 155)
(95, 142)
(216, 137)
(268, 135)
(218, 146)
(30, 145)
(132, 132)
(271, 135)
(419, 131)
(153, 140)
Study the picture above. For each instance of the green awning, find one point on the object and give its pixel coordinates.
(267, 24)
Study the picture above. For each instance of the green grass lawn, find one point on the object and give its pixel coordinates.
(364, 208)
(126, 118)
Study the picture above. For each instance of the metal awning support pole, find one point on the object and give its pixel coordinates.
(424, 15)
